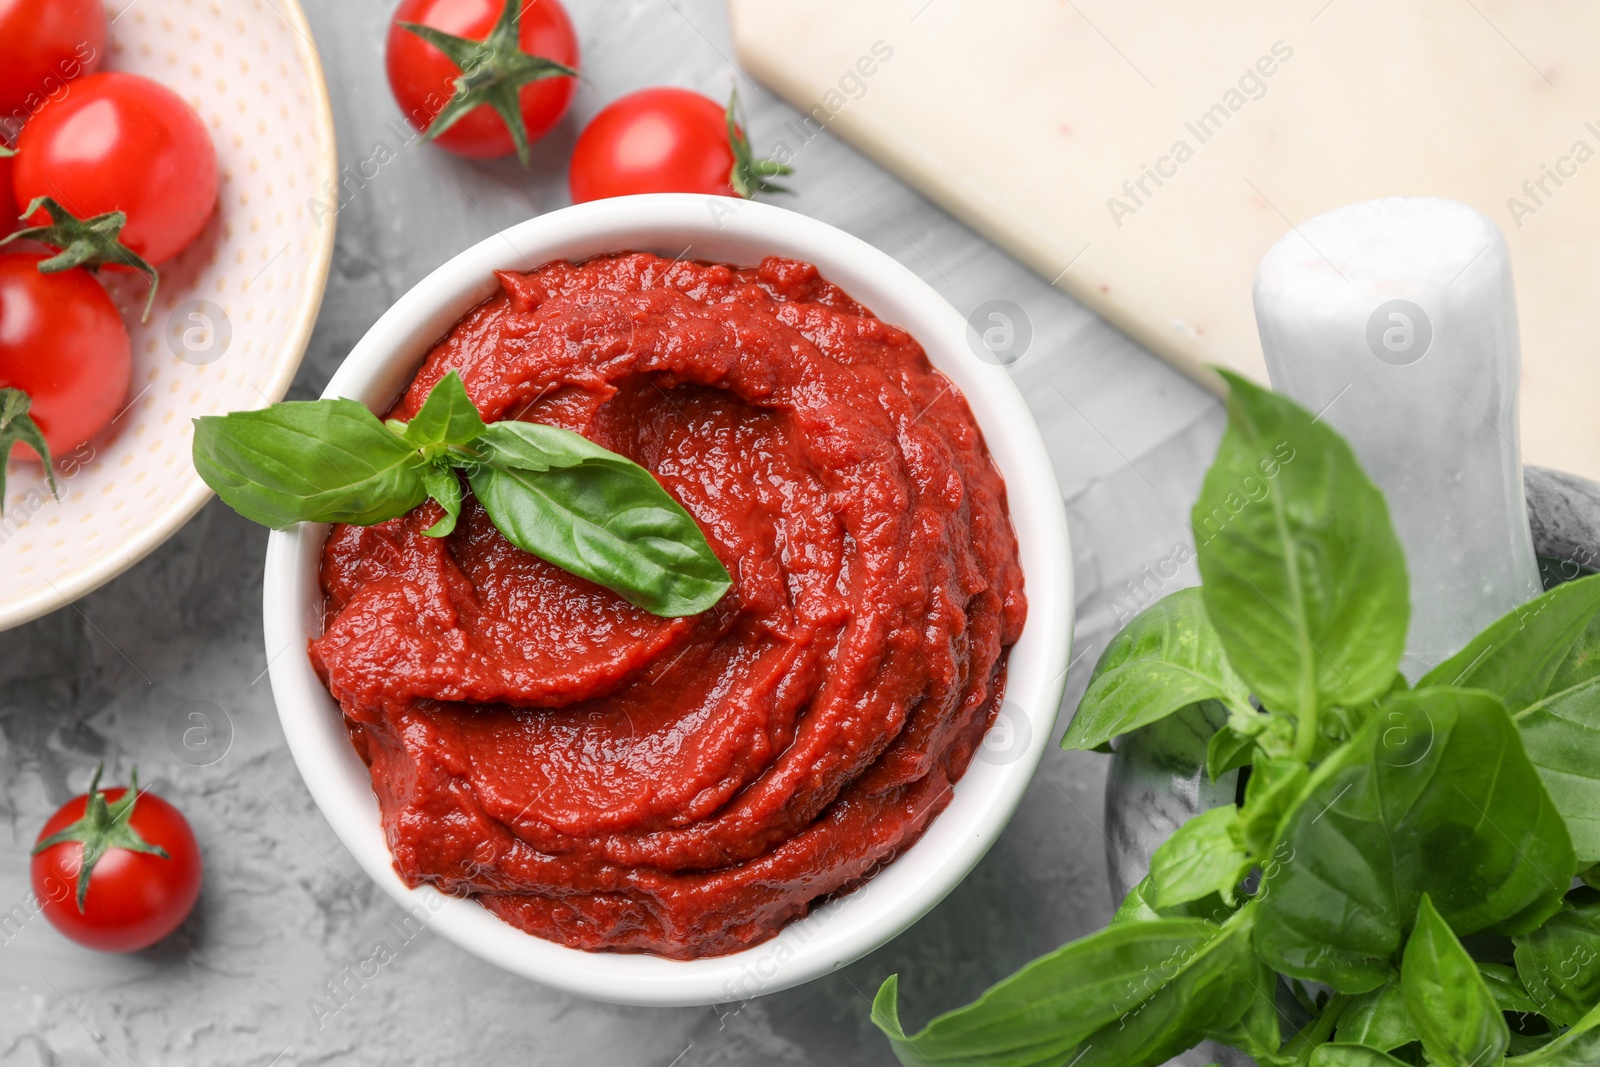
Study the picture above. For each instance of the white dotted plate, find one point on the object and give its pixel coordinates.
(235, 308)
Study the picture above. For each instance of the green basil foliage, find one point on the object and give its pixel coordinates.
(549, 491)
(1401, 861)
(1439, 772)
(1302, 573)
(1460, 1023)
(1164, 660)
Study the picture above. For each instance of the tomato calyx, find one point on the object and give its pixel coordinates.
(750, 175)
(89, 243)
(103, 827)
(17, 426)
(493, 72)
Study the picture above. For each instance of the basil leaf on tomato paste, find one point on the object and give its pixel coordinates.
(534, 446)
(610, 521)
(308, 461)
(447, 417)
(549, 491)
(443, 486)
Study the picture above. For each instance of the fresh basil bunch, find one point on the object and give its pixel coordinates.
(1404, 860)
(549, 491)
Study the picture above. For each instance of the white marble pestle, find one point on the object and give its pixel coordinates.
(1395, 319)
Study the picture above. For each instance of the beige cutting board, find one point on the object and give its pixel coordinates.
(1026, 117)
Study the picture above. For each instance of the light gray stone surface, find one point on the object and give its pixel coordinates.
(285, 909)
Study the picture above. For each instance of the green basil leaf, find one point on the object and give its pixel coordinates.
(1520, 654)
(1559, 963)
(1591, 877)
(1522, 1044)
(444, 486)
(1165, 659)
(447, 416)
(1543, 658)
(1460, 1022)
(1228, 750)
(1505, 985)
(1274, 788)
(1304, 578)
(1136, 906)
(1343, 1055)
(1199, 859)
(1379, 1019)
(308, 461)
(1258, 1032)
(534, 446)
(1130, 995)
(610, 521)
(1434, 795)
(1578, 1047)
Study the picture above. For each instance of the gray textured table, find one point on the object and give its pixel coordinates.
(285, 909)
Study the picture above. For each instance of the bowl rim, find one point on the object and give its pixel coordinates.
(844, 929)
(58, 593)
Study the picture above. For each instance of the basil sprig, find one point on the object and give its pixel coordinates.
(549, 491)
(1410, 851)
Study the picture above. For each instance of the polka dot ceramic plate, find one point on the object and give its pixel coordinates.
(234, 311)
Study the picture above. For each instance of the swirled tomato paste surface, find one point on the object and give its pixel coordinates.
(608, 779)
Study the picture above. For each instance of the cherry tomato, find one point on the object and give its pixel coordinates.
(653, 141)
(423, 78)
(119, 142)
(43, 45)
(138, 889)
(8, 217)
(63, 343)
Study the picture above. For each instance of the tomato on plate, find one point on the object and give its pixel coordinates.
(524, 60)
(63, 343)
(43, 45)
(8, 216)
(116, 869)
(667, 140)
(119, 142)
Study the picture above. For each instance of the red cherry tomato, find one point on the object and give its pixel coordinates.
(653, 141)
(423, 78)
(119, 142)
(133, 898)
(43, 45)
(63, 343)
(8, 217)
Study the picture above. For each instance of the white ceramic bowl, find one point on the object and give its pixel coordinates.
(721, 230)
(235, 308)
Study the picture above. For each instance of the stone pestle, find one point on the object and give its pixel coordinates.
(1395, 320)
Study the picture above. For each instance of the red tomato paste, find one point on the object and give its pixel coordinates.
(608, 779)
